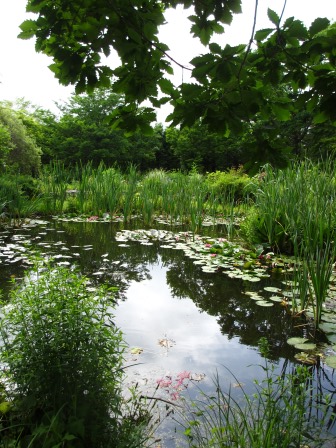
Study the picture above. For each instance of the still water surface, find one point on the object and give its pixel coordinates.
(180, 318)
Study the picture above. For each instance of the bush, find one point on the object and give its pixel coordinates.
(234, 183)
(64, 362)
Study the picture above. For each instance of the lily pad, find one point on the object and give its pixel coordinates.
(332, 338)
(331, 361)
(328, 327)
(257, 298)
(264, 303)
(136, 350)
(295, 341)
(305, 346)
(272, 289)
(276, 298)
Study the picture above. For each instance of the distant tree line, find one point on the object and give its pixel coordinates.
(81, 133)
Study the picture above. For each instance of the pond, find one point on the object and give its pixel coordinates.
(183, 325)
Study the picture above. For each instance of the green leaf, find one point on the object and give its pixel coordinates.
(166, 86)
(273, 16)
(295, 341)
(318, 25)
(217, 28)
(28, 28)
(297, 29)
(205, 35)
(331, 361)
(5, 407)
(215, 48)
(136, 351)
(260, 35)
(305, 346)
(281, 112)
(321, 117)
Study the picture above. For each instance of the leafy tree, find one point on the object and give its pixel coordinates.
(209, 151)
(21, 152)
(83, 134)
(166, 158)
(39, 124)
(231, 84)
(5, 144)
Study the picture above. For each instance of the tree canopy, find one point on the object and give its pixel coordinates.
(231, 84)
(18, 149)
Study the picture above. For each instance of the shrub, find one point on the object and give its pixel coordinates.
(64, 362)
(234, 183)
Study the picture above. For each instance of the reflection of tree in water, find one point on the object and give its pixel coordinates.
(220, 296)
(237, 315)
(117, 265)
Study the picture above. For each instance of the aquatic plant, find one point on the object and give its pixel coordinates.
(54, 184)
(278, 414)
(129, 191)
(294, 206)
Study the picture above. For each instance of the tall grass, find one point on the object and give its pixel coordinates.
(295, 212)
(54, 183)
(129, 192)
(18, 199)
(278, 414)
(180, 198)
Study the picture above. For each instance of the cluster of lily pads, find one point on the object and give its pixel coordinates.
(207, 221)
(218, 255)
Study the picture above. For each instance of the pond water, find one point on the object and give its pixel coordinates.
(183, 325)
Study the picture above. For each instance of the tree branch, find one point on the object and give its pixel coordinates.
(251, 40)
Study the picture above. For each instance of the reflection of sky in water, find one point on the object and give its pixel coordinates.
(150, 313)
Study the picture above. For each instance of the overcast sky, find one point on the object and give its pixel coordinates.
(24, 73)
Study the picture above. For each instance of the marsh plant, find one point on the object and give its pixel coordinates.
(62, 358)
(294, 205)
(55, 179)
(275, 415)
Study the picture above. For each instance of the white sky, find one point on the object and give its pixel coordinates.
(25, 73)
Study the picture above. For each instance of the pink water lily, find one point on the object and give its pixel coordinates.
(164, 382)
(184, 375)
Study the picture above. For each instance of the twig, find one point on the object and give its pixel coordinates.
(160, 399)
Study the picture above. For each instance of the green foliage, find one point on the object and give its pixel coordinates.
(21, 153)
(84, 134)
(17, 196)
(232, 81)
(208, 150)
(64, 362)
(294, 206)
(5, 145)
(233, 182)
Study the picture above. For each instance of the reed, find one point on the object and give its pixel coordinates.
(129, 192)
(278, 414)
(54, 184)
(296, 211)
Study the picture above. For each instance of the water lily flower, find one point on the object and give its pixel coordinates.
(183, 375)
(164, 382)
(174, 396)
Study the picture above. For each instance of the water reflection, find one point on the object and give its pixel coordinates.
(211, 324)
